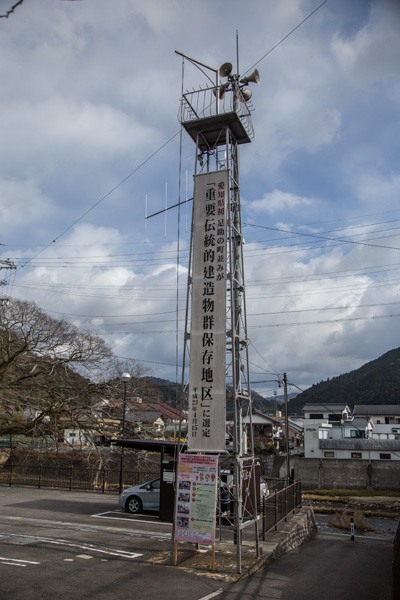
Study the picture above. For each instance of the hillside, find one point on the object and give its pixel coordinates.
(166, 392)
(376, 382)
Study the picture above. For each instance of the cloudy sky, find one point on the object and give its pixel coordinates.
(89, 102)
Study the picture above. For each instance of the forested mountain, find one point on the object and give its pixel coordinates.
(165, 391)
(377, 382)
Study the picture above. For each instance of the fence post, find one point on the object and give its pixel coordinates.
(40, 476)
(10, 474)
(104, 480)
(276, 509)
(263, 514)
(286, 503)
(70, 478)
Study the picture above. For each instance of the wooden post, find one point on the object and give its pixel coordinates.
(213, 558)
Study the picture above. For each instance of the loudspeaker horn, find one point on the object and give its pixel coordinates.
(221, 91)
(253, 78)
(225, 70)
(247, 94)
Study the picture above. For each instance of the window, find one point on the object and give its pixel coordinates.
(335, 418)
(329, 454)
(385, 456)
(357, 433)
(316, 416)
(356, 455)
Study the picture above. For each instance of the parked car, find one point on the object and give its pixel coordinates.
(264, 489)
(141, 497)
(146, 496)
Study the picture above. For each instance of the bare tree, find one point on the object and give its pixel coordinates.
(47, 366)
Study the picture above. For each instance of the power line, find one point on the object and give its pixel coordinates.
(321, 237)
(286, 36)
(324, 322)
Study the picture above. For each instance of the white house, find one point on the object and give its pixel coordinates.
(385, 417)
(350, 437)
(330, 412)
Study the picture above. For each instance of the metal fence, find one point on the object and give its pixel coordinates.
(278, 506)
(71, 478)
(396, 565)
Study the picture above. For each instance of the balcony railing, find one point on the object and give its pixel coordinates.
(205, 104)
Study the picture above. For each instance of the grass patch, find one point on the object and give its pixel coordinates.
(342, 520)
(377, 514)
(331, 494)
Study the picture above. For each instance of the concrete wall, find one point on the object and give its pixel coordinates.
(345, 473)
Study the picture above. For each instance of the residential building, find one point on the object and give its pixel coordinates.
(385, 417)
(350, 438)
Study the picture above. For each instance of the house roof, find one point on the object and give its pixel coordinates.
(144, 416)
(327, 407)
(260, 418)
(167, 411)
(295, 425)
(359, 421)
(360, 444)
(377, 409)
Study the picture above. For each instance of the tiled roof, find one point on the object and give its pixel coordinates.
(327, 407)
(377, 409)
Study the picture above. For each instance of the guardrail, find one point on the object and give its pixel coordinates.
(278, 506)
(71, 478)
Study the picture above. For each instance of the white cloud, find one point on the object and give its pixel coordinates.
(277, 200)
(371, 55)
(90, 90)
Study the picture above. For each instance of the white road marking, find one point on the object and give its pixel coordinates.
(16, 562)
(91, 548)
(126, 517)
(213, 595)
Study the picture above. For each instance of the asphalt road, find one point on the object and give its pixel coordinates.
(80, 546)
(331, 567)
(57, 544)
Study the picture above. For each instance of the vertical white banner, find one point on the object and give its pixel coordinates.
(207, 373)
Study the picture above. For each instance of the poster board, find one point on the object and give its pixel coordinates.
(196, 499)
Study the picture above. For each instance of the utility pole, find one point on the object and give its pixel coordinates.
(286, 429)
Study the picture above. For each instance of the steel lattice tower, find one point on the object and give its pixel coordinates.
(218, 119)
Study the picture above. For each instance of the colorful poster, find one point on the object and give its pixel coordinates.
(196, 499)
(207, 373)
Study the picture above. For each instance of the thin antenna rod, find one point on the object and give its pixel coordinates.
(237, 51)
(186, 200)
(166, 208)
(145, 218)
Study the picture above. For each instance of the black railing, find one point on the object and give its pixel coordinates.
(279, 505)
(396, 565)
(71, 478)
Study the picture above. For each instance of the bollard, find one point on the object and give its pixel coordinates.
(352, 529)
